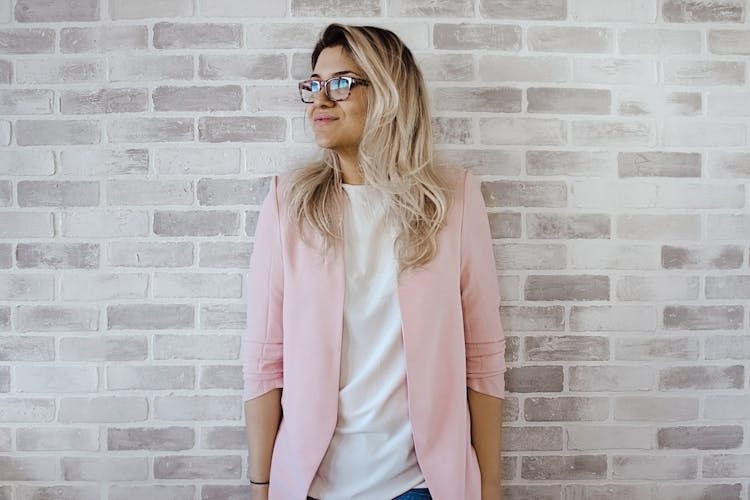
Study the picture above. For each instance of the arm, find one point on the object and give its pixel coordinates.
(485, 341)
(263, 343)
(486, 437)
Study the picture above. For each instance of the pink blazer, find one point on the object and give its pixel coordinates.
(451, 333)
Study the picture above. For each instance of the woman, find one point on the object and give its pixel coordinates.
(372, 300)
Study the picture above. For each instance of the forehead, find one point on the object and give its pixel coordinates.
(334, 60)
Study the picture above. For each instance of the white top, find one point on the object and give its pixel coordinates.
(371, 455)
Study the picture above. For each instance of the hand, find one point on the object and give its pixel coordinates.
(258, 492)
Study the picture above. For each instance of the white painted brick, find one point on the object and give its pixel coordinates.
(56, 379)
(657, 101)
(658, 227)
(523, 131)
(90, 223)
(26, 101)
(211, 347)
(103, 286)
(5, 133)
(723, 103)
(140, 9)
(150, 192)
(728, 227)
(27, 410)
(282, 36)
(613, 318)
(105, 469)
(646, 288)
(29, 162)
(150, 67)
(612, 133)
(706, 134)
(5, 10)
(181, 408)
(613, 194)
(150, 377)
(26, 225)
(521, 69)
(634, 11)
(26, 287)
(68, 70)
(662, 42)
(186, 161)
(605, 437)
(614, 71)
(103, 409)
(104, 162)
(242, 8)
(29, 469)
(197, 285)
(701, 196)
(57, 439)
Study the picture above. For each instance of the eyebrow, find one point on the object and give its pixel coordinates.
(338, 73)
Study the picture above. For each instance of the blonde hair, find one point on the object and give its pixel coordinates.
(395, 153)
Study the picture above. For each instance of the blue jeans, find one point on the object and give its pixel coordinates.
(415, 494)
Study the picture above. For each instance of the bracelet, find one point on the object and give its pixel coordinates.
(254, 482)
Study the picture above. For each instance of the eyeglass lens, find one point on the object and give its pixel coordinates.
(337, 89)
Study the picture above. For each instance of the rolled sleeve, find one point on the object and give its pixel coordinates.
(262, 346)
(480, 297)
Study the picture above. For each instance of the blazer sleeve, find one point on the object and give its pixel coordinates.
(262, 346)
(480, 297)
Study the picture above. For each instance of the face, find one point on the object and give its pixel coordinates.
(338, 125)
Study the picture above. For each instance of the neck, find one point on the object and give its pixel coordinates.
(350, 169)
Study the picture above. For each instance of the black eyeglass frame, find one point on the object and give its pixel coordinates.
(352, 80)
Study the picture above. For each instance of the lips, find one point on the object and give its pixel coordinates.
(324, 119)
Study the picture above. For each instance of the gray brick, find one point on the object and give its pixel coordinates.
(56, 71)
(534, 379)
(26, 102)
(570, 39)
(27, 410)
(104, 101)
(729, 42)
(225, 254)
(207, 347)
(483, 161)
(550, 226)
(577, 467)
(4, 387)
(533, 318)
(26, 225)
(200, 467)
(149, 192)
(613, 318)
(429, 8)
(446, 67)
(56, 492)
(226, 98)
(530, 256)
(532, 438)
(158, 492)
(104, 162)
(57, 319)
(6, 256)
(241, 8)
(221, 377)
(150, 68)
(276, 98)
(222, 317)
(566, 348)
(695, 491)
(19, 287)
(654, 467)
(704, 317)
(150, 316)
(283, 36)
(150, 378)
(648, 102)
(653, 349)
(6, 72)
(568, 101)
(696, 11)
(57, 132)
(242, 129)
(570, 163)
(523, 131)
(606, 492)
(243, 67)
(197, 36)
(103, 409)
(609, 378)
(232, 192)
(105, 469)
(41, 11)
(58, 194)
(147, 254)
(555, 409)
(545, 492)
(524, 194)
(57, 255)
(223, 438)
(728, 287)
(536, 9)
(646, 409)
(470, 36)
(489, 99)
(150, 438)
(685, 72)
(108, 348)
(196, 408)
(336, 8)
(6, 193)
(702, 377)
(103, 39)
(98, 224)
(27, 41)
(150, 130)
(658, 227)
(449, 130)
(571, 287)
(701, 438)
(196, 223)
(31, 348)
(29, 469)
(142, 9)
(505, 224)
(202, 160)
(604, 437)
(614, 71)
(523, 68)
(659, 164)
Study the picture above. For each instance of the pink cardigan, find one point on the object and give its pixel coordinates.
(451, 331)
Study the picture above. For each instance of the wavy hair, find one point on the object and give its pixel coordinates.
(395, 154)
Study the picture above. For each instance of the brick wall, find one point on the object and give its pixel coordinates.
(612, 139)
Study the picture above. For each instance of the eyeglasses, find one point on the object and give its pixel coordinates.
(337, 88)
